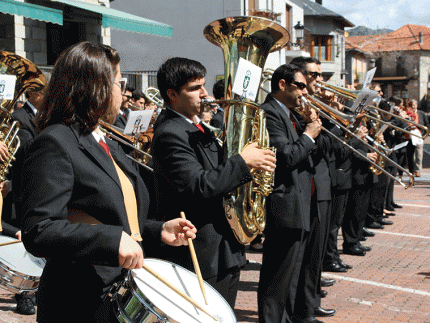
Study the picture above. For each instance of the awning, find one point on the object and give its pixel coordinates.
(32, 11)
(124, 21)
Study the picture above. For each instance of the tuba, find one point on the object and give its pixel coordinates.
(253, 39)
(28, 78)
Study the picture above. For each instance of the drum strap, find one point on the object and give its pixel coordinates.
(129, 197)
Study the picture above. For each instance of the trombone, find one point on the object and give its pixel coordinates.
(130, 141)
(322, 108)
(153, 94)
(349, 124)
(352, 95)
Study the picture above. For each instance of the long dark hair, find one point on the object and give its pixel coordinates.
(80, 89)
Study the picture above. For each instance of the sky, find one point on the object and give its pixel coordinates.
(146, 52)
(377, 14)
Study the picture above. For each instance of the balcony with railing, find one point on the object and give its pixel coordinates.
(265, 13)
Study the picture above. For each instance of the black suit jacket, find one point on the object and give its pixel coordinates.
(120, 120)
(192, 176)
(218, 119)
(423, 118)
(289, 204)
(27, 126)
(320, 160)
(68, 172)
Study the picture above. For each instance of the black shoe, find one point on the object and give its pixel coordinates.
(397, 206)
(385, 222)
(327, 282)
(322, 312)
(390, 208)
(363, 238)
(323, 293)
(256, 247)
(365, 248)
(374, 225)
(25, 306)
(354, 251)
(334, 267)
(368, 233)
(344, 265)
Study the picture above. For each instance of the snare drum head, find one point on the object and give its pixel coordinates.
(16, 258)
(173, 305)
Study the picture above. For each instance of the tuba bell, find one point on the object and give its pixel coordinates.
(28, 78)
(253, 39)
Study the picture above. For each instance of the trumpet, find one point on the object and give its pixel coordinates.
(322, 108)
(352, 95)
(141, 157)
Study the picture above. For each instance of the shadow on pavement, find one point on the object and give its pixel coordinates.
(246, 316)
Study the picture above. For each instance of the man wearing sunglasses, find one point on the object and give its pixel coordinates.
(127, 97)
(320, 224)
(290, 206)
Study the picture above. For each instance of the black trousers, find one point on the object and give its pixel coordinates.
(355, 216)
(338, 209)
(309, 288)
(378, 194)
(389, 200)
(227, 284)
(283, 253)
(410, 151)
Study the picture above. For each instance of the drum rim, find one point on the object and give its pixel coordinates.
(10, 272)
(207, 285)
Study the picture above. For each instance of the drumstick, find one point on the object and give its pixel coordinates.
(169, 284)
(9, 242)
(196, 264)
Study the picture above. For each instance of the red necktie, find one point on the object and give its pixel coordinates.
(105, 147)
(293, 121)
(198, 125)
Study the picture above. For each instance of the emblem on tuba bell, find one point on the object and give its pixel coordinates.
(250, 38)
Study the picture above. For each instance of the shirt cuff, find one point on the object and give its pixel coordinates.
(309, 137)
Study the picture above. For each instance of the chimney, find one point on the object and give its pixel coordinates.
(420, 37)
(319, 1)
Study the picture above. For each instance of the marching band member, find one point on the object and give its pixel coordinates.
(319, 233)
(291, 206)
(84, 206)
(192, 176)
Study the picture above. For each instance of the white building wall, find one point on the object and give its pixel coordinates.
(188, 19)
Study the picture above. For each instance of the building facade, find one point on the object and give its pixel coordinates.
(401, 58)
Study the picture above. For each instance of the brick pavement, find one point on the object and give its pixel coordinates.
(391, 283)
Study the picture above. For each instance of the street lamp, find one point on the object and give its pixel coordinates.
(300, 29)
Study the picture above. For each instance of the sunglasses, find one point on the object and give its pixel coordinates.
(300, 85)
(314, 74)
(122, 82)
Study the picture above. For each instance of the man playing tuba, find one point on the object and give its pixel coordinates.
(192, 176)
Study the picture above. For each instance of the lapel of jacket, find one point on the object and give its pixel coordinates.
(287, 121)
(31, 117)
(93, 149)
(204, 141)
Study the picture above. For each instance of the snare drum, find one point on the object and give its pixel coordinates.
(142, 298)
(19, 270)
